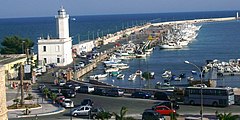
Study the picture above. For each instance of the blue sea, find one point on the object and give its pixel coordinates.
(216, 40)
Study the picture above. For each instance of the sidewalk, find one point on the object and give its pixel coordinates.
(47, 108)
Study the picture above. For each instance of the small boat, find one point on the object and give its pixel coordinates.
(123, 67)
(167, 74)
(132, 77)
(99, 76)
(111, 70)
(73, 19)
(120, 76)
(191, 78)
(138, 72)
(166, 83)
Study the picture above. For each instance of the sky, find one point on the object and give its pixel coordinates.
(46, 8)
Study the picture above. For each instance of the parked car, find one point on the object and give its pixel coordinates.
(68, 85)
(170, 104)
(75, 87)
(81, 64)
(69, 93)
(115, 92)
(87, 101)
(67, 103)
(86, 89)
(60, 99)
(100, 91)
(61, 83)
(141, 94)
(81, 111)
(86, 111)
(162, 96)
(164, 110)
(149, 114)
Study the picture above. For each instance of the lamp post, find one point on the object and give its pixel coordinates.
(201, 92)
(23, 46)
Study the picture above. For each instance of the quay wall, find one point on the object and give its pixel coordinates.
(195, 21)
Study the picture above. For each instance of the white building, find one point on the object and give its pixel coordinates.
(84, 46)
(57, 50)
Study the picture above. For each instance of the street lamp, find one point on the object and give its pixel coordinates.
(23, 46)
(201, 92)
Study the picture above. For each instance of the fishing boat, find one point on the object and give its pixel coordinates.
(99, 76)
(120, 76)
(170, 45)
(132, 77)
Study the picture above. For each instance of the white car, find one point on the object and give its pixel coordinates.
(82, 110)
(61, 83)
(68, 103)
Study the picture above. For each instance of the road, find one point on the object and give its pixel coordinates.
(134, 106)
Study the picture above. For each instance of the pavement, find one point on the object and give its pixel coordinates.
(47, 108)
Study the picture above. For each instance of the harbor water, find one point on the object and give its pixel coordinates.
(215, 40)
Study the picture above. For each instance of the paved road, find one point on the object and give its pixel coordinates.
(135, 106)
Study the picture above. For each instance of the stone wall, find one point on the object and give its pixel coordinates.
(3, 103)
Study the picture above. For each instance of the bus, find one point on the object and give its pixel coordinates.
(211, 96)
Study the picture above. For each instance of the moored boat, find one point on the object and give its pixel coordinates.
(120, 76)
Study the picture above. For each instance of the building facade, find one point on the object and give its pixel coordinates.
(57, 50)
(3, 103)
(84, 46)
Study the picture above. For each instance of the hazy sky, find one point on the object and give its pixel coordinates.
(40, 8)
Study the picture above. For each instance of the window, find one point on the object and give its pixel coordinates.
(57, 48)
(44, 48)
(45, 60)
(58, 60)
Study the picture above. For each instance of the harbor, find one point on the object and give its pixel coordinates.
(146, 63)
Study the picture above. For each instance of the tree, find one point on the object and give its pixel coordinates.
(53, 96)
(226, 116)
(15, 45)
(122, 114)
(103, 115)
(46, 92)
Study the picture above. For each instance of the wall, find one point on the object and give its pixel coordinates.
(3, 103)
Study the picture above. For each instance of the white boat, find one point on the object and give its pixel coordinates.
(141, 55)
(167, 74)
(132, 77)
(115, 64)
(111, 70)
(138, 72)
(170, 45)
(99, 76)
(120, 76)
(123, 67)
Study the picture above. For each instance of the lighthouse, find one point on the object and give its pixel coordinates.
(237, 16)
(62, 23)
(57, 50)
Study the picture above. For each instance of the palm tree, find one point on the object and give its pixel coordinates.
(46, 92)
(123, 113)
(53, 96)
(103, 116)
(226, 116)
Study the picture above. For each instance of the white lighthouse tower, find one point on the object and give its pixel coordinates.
(62, 23)
(57, 50)
(237, 16)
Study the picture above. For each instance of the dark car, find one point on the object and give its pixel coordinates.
(170, 104)
(149, 114)
(69, 93)
(68, 85)
(115, 92)
(87, 102)
(162, 96)
(141, 94)
(100, 91)
(75, 86)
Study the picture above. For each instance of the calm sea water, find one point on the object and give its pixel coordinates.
(218, 40)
